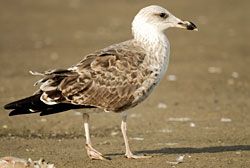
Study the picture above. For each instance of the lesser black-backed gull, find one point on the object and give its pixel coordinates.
(113, 79)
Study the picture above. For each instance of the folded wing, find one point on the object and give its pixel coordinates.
(105, 79)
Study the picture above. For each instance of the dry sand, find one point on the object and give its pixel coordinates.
(203, 114)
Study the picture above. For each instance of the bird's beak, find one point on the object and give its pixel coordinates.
(187, 25)
(176, 22)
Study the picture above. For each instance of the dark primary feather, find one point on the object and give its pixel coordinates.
(28, 102)
(33, 104)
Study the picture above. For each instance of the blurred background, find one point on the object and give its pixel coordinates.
(205, 92)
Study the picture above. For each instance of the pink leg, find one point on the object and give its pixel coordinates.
(128, 153)
(92, 153)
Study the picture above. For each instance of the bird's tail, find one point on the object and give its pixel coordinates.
(33, 104)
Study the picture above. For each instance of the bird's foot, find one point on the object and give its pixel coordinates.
(130, 155)
(94, 154)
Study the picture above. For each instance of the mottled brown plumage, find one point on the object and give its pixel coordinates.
(106, 79)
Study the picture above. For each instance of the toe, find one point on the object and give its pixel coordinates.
(94, 154)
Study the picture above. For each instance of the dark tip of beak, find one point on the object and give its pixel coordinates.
(188, 25)
(191, 26)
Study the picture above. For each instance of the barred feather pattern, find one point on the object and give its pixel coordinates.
(107, 79)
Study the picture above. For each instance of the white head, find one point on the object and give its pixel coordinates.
(155, 19)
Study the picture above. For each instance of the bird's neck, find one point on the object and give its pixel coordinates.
(156, 46)
(147, 34)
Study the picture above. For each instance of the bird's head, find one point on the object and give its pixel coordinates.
(158, 19)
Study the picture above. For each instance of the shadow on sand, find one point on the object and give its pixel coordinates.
(214, 149)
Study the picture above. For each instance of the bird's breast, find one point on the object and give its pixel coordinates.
(156, 63)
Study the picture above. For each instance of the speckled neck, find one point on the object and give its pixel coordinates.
(157, 48)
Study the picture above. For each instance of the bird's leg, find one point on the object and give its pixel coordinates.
(128, 153)
(92, 153)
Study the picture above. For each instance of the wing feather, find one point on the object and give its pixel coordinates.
(106, 79)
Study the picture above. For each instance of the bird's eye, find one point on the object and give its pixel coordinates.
(163, 15)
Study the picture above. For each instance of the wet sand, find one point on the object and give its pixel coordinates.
(203, 114)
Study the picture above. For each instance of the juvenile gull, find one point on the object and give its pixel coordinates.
(113, 79)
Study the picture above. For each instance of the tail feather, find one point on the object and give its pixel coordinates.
(33, 104)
